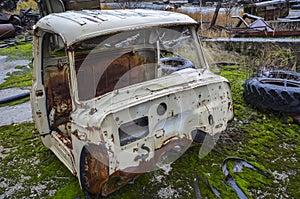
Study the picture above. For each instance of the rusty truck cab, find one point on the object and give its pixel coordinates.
(114, 92)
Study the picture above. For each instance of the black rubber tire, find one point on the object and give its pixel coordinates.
(172, 64)
(282, 74)
(280, 95)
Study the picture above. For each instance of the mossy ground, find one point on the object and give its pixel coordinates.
(18, 52)
(28, 169)
(22, 77)
(270, 142)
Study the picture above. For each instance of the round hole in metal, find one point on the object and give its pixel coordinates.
(162, 108)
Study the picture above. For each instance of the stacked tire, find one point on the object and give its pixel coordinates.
(276, 90)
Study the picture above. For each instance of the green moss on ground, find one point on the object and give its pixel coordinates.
(22, 77)
(18, 52)
(27, 168)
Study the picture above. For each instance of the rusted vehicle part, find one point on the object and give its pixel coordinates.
(12, 19)
(56, 6)
(14, 97)
(95, 172)
(103, 102)
(258, 28)
(277, 94)
(8, 5)
(28, 19)
(253, 18)
(269, 10)
(81, 4)
(7, 31)
(239, 164)
(10, 25)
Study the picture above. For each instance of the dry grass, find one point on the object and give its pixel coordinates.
(224, 21)
(276, 57)
(26, 4)
(105, 7)
(265, 57)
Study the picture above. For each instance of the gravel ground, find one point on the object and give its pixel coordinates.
(13, 114)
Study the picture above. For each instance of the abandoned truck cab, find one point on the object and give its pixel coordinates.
(116, 93)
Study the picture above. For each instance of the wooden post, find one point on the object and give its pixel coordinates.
(213, 21)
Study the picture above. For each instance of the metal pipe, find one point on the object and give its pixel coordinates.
(14, 97)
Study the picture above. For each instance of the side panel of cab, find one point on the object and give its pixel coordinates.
(50, 95)
(38, 95)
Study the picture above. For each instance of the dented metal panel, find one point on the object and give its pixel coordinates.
(75, 26)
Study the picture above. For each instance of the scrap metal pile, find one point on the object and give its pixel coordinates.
(15, 24)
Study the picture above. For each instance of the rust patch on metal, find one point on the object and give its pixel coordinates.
(65, 139)
(121, 178)
(58, 93)
(94, 171)
(269, 10)
(7, 31)
(95, 176)
(122, 72)
(81, 4)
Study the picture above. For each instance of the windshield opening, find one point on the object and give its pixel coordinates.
(115, 61)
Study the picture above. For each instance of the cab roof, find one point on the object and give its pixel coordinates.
(74, 26)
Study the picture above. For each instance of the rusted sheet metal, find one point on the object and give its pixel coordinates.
(59, 99)
(259, 28)
(96, 179)
(7, 31)
(94, 167)
(268, 10)
(10, 25)
(81, 4)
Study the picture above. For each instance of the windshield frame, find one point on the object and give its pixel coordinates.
(193, 34)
